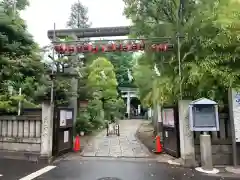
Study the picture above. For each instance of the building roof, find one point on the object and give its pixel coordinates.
(203, 101)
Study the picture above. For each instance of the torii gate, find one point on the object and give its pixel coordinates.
(66, 48)
(158, 44)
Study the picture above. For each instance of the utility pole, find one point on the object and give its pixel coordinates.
(179, 21)
(53, 54)
(74, 81)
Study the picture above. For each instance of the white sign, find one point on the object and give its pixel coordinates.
(63, 121)
(236, 113)
(168, 117)
(69, 115)
(65, 137)
(166, 134)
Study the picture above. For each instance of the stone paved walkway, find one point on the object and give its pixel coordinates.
(125, 145)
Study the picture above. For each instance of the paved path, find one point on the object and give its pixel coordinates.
(125, 145)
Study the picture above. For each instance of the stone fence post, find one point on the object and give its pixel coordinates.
(47, 131)
(186, 135)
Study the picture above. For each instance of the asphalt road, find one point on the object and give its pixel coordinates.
(16, 169)
(102, 169)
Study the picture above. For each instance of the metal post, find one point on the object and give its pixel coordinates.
(179, 66)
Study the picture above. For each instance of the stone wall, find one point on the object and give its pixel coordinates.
(27, 136)
(20, 136)
(21, 133)
(221, 154)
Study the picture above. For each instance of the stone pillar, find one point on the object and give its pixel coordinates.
(186, 135)
(206, 152)
(155, 119)
(128, 104)
(150, 113)
(47, 130)
(160, 124)
(74, 89)
(73, 100)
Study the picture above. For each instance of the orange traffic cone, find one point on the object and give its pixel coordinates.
(158, 145)
(77, 144)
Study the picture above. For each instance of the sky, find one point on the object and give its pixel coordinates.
(41, 15)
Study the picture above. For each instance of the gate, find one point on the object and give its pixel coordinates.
(171, 140)
(62, 130)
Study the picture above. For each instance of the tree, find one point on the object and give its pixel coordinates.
(102, 79)
(19, 5)
(209, 49)
(122, 62)
(20, 63)
(78, 17)
(103, 84)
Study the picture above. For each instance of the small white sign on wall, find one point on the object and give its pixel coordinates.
(69, 115)
(63, 121)
(65, 136)
(168, 117)
(166, 134)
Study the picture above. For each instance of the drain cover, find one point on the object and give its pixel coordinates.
(109, 178)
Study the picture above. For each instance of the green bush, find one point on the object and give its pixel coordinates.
(83, 123)
(114, 109)
(95, 111)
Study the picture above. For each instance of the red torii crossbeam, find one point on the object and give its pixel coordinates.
(130, 45)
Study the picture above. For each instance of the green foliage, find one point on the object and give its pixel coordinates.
(9, 103)
(209, 49)
(8, 5)
(122, 61)
(83, 123)
(97, 82)
(114, 109)
(92, 118)
(78, 17)
(102, 85)
(20, 62)
(95, 109)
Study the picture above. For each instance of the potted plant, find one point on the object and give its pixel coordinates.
(82, 133)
